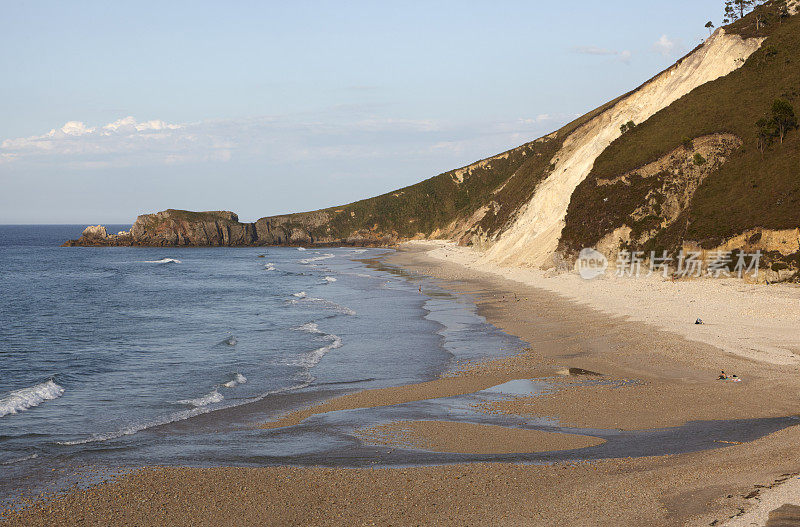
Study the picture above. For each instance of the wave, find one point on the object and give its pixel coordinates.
(325, 304)
(301, 248)
(236, 381)
(163, 261)
(175, 417)
(330, 279)
(310, 327)
(333, 306)
(360, 251)
(269, 267)
(312, 358)
(301, 294)
(205, 400)
(20, 459)
(317, 258)
(21, 400)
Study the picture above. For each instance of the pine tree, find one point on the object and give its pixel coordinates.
(743, 6)
(737, 9)
(730, 12)
(765, 132)
(784, 117)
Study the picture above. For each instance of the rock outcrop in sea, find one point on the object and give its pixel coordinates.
(183, 228)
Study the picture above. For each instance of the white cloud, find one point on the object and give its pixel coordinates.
(665, 46)
(73, 128)
(129, 124)
(75, 140)
(343, 134)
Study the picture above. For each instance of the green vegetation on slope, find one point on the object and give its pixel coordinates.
(750, 190)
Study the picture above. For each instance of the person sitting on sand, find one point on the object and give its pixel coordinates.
(722, 376)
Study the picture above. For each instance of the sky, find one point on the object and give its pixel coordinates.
(113, 109)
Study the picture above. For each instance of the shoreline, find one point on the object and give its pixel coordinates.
(755, 321)
(671, 389)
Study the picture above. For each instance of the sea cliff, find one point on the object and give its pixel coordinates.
(182, 228)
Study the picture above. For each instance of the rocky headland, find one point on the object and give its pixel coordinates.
(182, 228)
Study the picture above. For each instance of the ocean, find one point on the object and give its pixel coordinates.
(129, 356)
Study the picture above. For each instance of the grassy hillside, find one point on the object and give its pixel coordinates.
(750, 190)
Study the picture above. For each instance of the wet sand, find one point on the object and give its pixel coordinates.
(671, 381)
(470, 438)
(662, 491)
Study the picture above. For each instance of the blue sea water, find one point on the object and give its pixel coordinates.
(164, 355)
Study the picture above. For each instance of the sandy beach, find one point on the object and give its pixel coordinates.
(658, 369)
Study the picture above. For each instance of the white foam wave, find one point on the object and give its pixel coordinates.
(325, 304)
(269, 267)
(163, 261)
(177, 416)
(205, 400)
(310, 327)
(333, 306)
(301, 294)
(236, 381)
(132, 429)
(21, 400)
(330, 279)
(317, 258)
(301, 248)
(360, 251)
(20, 460)
(312, 358)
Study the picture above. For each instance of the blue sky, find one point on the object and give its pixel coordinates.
(111, 109)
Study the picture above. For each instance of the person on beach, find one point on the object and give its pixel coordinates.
(722, 376)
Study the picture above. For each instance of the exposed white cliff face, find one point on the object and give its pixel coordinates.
(532, 238)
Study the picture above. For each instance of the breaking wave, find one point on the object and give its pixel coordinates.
(310, 327)
(312, 358)
(205, 400)
(236, 381)
(20, 459)
(317, 258)
(163, 261)
(301, 248)
(301, 294)
(323, 303)
(330, 279)
(21, 400)
(175, 417)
